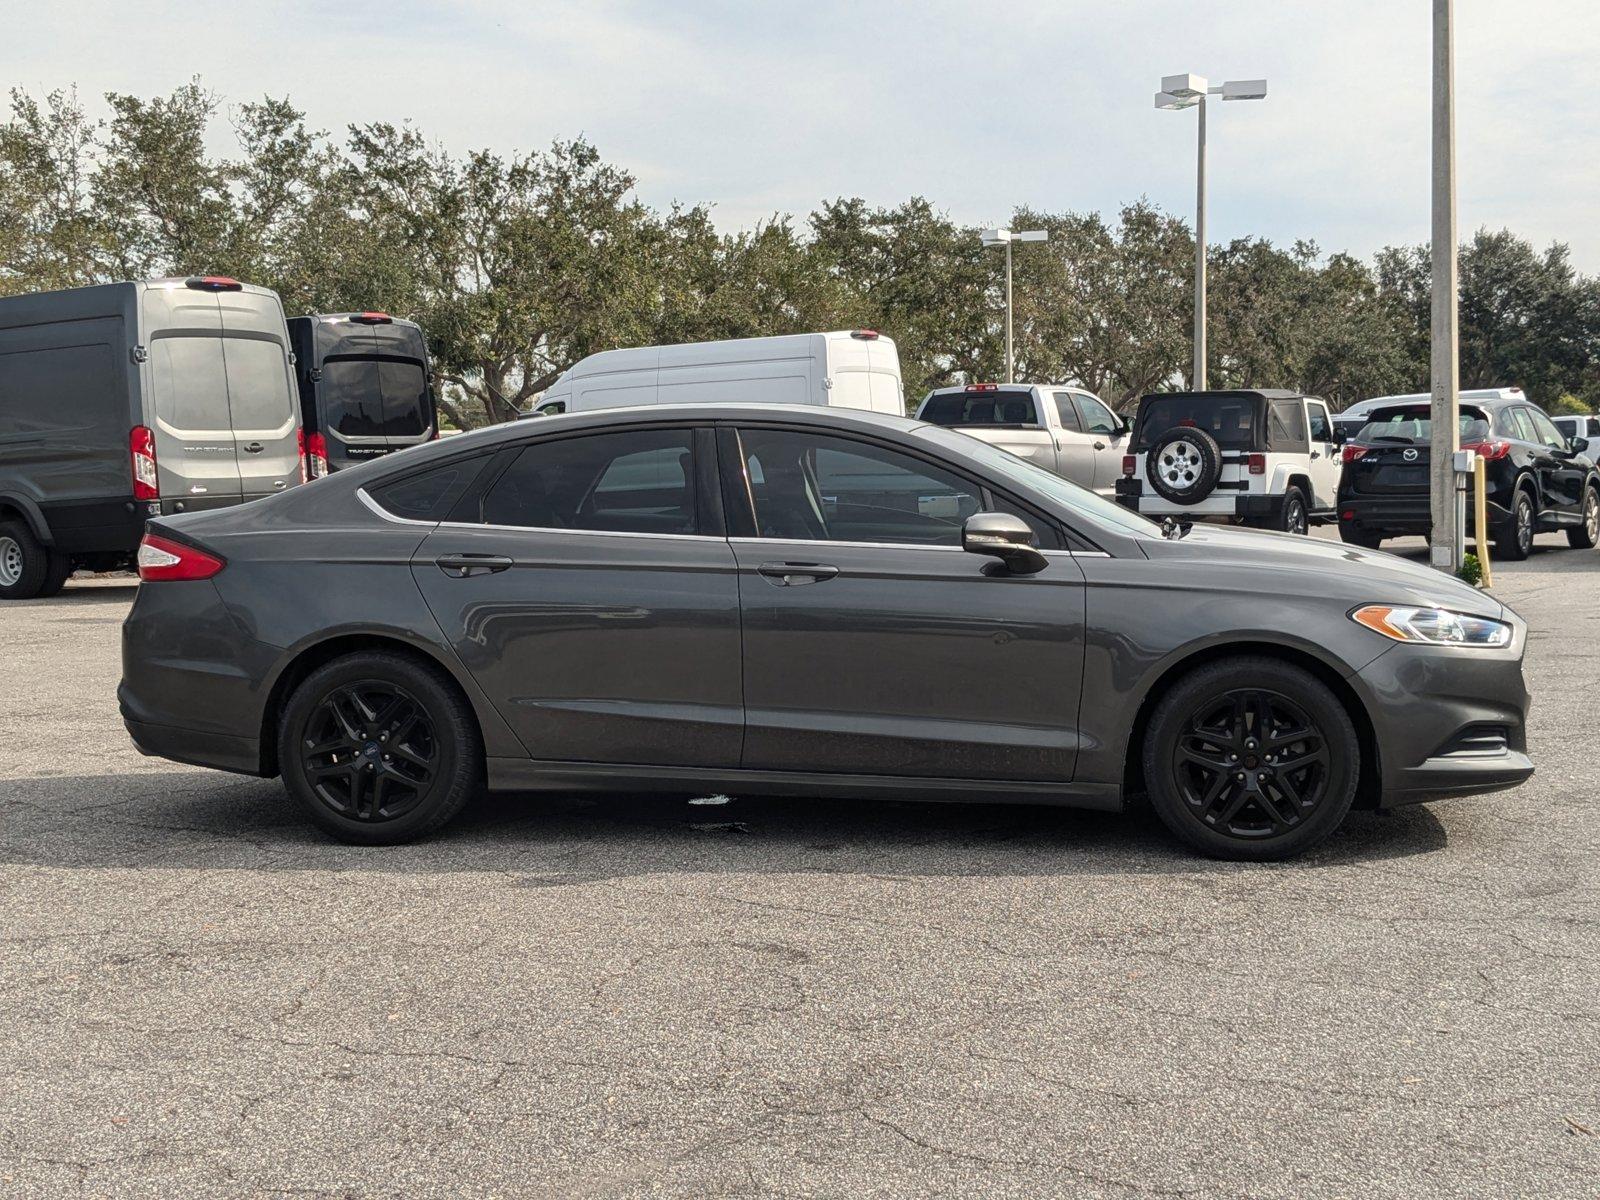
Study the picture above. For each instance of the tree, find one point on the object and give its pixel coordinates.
(50, 235)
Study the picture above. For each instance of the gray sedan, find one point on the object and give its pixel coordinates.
(772, 600)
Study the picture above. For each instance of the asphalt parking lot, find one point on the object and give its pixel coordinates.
(200, 996)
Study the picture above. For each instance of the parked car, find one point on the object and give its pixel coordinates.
(1062, 429)
(1349, 422)
(858, 368)
(364, 387)
(132, 400)
(1580, 427)
(695, 599)
(1258, 457)
(1536, 478)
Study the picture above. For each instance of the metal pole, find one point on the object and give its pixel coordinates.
(1011, 362)
(1444, 549)
(1200, 258)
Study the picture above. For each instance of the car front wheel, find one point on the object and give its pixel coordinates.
(379, 748)
(1251, 758)
(1587, 534)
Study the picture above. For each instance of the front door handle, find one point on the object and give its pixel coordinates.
(462, 566)
(1099, 445)
(1314, 454)
(789, 574)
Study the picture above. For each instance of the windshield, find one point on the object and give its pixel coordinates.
(1010, 406)
(1092, 507)
(1415, 425)
(1230, 420)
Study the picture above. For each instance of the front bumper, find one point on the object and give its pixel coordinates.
(1448, 722)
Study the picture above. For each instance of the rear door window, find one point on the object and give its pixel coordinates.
(352, 397)
(1522, 422)
(405, 398)
(640, 481)
(258, 385)
(1066, 413)
(190, 382)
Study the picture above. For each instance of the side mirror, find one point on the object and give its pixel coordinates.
(1578, 445)
(1003, 536)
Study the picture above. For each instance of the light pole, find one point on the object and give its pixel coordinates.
(1004, 237)
(1445, 503)
(1190, 91)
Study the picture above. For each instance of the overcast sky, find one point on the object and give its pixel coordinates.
(760, 108)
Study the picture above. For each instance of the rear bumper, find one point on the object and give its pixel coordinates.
(1132, 493)
(197, 747)
(1402, 515)
(96, 526)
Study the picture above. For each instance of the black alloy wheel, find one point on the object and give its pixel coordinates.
(370, 751)
(1587, 535)
(379, 747)
(1251, 758)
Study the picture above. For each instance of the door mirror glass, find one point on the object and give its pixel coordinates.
(1003, 536)
(1578, 445)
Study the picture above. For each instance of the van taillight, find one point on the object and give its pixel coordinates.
(1258, 464)
(213, 283)
(142, 453)
(300, 448)
(317, 455)
(866, 335)
(162, 559)
(372, 318)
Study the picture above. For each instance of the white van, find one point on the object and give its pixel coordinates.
(852, 369)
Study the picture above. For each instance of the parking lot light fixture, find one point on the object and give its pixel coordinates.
(1190, 91)
(1004, 237)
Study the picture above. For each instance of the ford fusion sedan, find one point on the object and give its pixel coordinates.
(771, 600)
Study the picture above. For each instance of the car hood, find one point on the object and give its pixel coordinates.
(1293, 562)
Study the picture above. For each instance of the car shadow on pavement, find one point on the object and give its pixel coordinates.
(193, 821)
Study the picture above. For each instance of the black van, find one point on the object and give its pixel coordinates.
(124, 401)
(364, 387)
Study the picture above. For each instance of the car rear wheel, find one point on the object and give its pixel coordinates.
(1514, 541)
(1354, 535)
(1251, 758)
(27, 566)
(1586, 535)
(379, 748)
(1294, 518)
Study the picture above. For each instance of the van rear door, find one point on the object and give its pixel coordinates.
(195, 457)
(260, 392)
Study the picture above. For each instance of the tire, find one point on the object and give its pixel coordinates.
(56, 576)
(1586, 535)
(25, 563)
(1354, 535)
(1183, 465)
(363, 793)
(1513, 541)
(1223, 709)
(1294, 516)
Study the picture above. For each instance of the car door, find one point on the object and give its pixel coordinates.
(1107, 436)
(1075, 452)
(1561, 469)
(1325, 464)
(873, 644)
(261, 395)
(589, 590)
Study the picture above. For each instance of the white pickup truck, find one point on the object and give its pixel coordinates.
(1063, 429)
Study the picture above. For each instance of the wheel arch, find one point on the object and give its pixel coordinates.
(14, 505)
(1369, 786)
(308, 658)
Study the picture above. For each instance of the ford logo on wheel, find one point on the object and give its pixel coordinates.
(1410, 456)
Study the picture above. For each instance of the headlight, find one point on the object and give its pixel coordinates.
(1432, 626)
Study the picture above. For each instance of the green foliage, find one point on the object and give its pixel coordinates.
(518, 265)
(1568, 405)
(1471, 570)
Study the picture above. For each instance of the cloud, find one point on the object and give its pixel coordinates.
(767, 107)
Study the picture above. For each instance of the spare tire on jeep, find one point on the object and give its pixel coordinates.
(1183, 465)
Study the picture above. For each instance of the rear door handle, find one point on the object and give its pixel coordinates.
(788, 574)
(1099, 445)
(461, 566)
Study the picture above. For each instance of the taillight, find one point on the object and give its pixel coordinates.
(300, 448)
(372, 318)
(1489, 450)
(317, 455)
(983, 387)
(1129, 463)
(142, 453)
(213, 283)
(1258, 464)
(163, 560)
(1350, 453)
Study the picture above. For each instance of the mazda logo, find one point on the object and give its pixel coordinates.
(1410, 456)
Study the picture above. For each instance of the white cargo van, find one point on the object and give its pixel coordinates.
(852, 369)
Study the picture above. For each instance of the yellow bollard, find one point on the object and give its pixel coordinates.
(1480, 517)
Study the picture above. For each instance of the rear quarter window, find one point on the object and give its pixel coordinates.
(428, 495)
